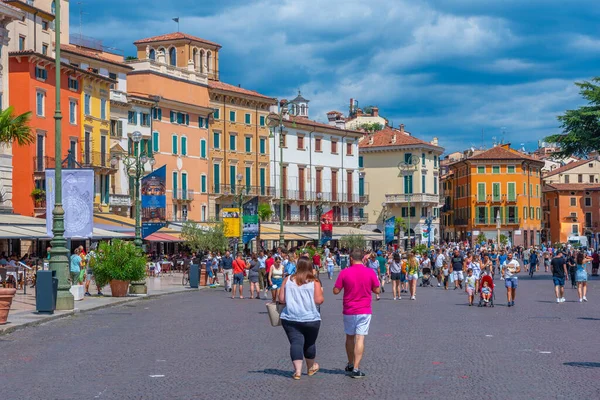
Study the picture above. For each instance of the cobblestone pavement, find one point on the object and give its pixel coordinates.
(203, 345)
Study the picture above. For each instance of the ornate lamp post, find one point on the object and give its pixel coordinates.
(240, 203)
(59, 256)
(407, 168)
(274, 120)
(319, 208)
(385, 214)
(134, 167)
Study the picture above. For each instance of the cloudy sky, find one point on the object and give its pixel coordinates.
(456, 69)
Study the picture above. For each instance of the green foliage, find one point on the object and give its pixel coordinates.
(15, 128)
(264, 212)
(399, 225)
(581, 127)
(503, 240)
(420, 249)
(353, 241)
(119, 260)
(38, 194)
(481, 239)
(200, 239)
(371, 127)
(130, 58)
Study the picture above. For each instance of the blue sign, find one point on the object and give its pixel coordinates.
(154, 201)
(390, 224)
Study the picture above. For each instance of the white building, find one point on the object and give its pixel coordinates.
(320, 165)
(357, 117)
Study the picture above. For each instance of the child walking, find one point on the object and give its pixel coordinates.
(470, 285)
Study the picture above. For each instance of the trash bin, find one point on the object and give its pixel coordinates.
(46, 290)
(194, 275)
(343, 261)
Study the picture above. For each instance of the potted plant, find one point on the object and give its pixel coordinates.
(39, 195)
(119, 263)
(6, 298)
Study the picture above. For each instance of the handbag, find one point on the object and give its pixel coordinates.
(274, 311)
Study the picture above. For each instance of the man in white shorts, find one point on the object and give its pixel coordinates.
(458, 264)
(357, 282)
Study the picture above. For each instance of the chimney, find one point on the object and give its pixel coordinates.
(371, 139)
(351, 105)
(375, 111)
(434, 141)
(340, 124)
(394, 138)
(402, 128)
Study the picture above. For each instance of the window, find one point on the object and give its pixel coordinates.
(283, 140)
(72, 112)
(183, 119)
(538, 213)
(44, 25)
(247, 119)
(21, 43)
(481, 169)
(537, 190)
(216, 140)
(262, 120)
(173, 56)
(202, 148)
(232, 116)
(200, 122)
(73, 83)
(435, 187)
(408, 184)
(232, 139)
(248, 177)
(145, 119)
(510, 169)
(216, 113)
(566, 178)
(531, 213)
(41, 73)
(524, 212)
(435, 161)
(174, 144)
(512, 191)
(530, 189)
(40, 105)
(87, 100)
(575, 229)
(407, 158)
(556, 202)
(348, 149)
(361, 162)
(495, 169)
(318, 144)
(592, 179)
(481, 192)
(155, 142)
(183, 146)
(423, 187)
(588, 201)
(157, 114)
(262, 146)
(248, 142)
(300, 142)
(423, 159)
(116, 128)
(580, 178)
(573, 201)
(132, 117)
(44, 49)
(203, 184)
(102, 109)
(496, 191)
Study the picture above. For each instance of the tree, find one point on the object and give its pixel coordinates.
(371, 127)
(15, 128)
(264, 214)
(481, 239)
(581, 127)
(203, 239)
(503, 240)
(420, 249)
(399, 225)
(353, 241)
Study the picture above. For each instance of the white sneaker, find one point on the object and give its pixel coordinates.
(584, 298)
(412, 298)
(558, 301)
(439, 285)
(581, 300)
(395, 298)
(562, 300)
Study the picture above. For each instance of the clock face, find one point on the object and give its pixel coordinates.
(77, 214)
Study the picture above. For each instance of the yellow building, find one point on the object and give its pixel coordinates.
(239, 145)
(498, 183)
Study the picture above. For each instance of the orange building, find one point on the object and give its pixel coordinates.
(179, 122)
(33, 77)
(571, 209)
(500, 182)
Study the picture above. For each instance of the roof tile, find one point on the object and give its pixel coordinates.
(570, 186)
(92, 54)
(231, 88)
(567, 167)
(501, 153)
(175, 36)
(384, 137)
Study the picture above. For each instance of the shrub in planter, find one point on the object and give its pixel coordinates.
(119, 263)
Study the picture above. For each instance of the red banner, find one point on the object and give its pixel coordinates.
(326, 226)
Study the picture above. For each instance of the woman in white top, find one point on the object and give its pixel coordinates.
(276, 277)
(302, 293)
(330, 261)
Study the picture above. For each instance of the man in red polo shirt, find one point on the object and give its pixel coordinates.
(317, 262)
(268, 263)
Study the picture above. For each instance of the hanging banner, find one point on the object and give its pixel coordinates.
(231, 222)
(154, 201)
(77, 201)
(250, 220)
(390, 224)
(326, 227)
(425, 231)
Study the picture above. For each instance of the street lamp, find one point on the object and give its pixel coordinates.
(274, 120)
(240, 203)
(385, 214)
(407, 168)
(319, 208)
(59, 256)
(134, 167)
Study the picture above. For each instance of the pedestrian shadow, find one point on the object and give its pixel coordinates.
(589, 318)
(583, 364)
(287, 373)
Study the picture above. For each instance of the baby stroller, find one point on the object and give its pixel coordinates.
(490, 282)
(426, 278)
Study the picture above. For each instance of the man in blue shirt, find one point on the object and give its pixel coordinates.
(502, 260)
(75, 267)
(227, 268)
(262, 272)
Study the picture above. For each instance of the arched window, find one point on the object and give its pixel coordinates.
(53, 8)
(195, 58)
(173, 56)
(202, 55)
(208, 62)
(152, 54)
(302, 109)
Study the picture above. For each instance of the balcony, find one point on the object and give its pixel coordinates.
(413, 198)
(297, 217)
(326, 197)
(118, 96)
(41, 164)
(119, 200)
(181, 195)
(460, 221)
(97, 160)
(229, 190)
(492, 221)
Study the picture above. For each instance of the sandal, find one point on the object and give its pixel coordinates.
(313, 370)
(296, 377)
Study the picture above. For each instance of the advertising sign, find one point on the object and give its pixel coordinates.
(326, 227)
(389, 230)
(77, 201)
(231, 222)
(250, 220)
(154, 201)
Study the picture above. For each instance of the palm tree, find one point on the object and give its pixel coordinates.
(264, 214)
(15, 128)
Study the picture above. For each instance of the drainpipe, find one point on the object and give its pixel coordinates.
(35, 31)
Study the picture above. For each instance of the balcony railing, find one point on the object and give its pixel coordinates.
(413, 198)
(183, 195)
(96, 159)
(326, 197)
(233, 190)
(41, 164)
(119, 200)
(492, 221)
(116, 95)
(297, 216)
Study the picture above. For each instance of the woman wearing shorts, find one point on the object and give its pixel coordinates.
(412, 274)
(276, 277)
(581, 276)
(253, 270)
(396, 275)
